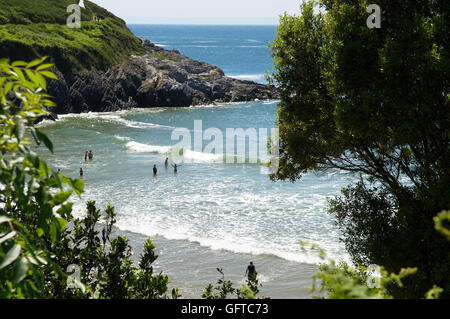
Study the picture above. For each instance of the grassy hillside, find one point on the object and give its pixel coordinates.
(34, 28)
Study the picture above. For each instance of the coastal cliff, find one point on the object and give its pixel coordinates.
(159, 78)
(103, 67)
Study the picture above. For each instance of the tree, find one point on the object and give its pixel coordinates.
(33, 202)
(225, 289)
(40, 240)
(374, 102)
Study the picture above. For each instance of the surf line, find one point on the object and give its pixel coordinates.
(257, 142)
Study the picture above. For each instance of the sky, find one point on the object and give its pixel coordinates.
(200, 11)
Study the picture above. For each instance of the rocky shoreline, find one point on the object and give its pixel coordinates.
(160, 78)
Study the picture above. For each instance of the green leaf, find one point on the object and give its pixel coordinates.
(61, 197)
(20, 270)
(62, 223)
(44, 66)
(10, 256)
(31, 76)
(65, 209)
(41, 81)
(35, 62)
(19, 63)
(77, 185)
(43, 138)
(54, 231)
(49, 74)
(40, 232)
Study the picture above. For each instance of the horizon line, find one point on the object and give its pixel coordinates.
(269, 21)
(203, 24)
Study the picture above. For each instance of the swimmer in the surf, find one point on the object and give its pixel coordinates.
(81, 172)
(155, 171)
(175, 168)
(166, 163)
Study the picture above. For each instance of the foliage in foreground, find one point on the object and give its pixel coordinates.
(342, 281)
(375, 103)
(225, 289)
(39, 238)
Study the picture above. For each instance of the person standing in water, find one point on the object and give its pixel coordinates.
(251, 271)
(86, 156)
(81, 172)
(175, 168)
(166, 163)
(155, 171)
(91, 155)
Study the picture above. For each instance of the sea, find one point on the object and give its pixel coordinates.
(214, 213)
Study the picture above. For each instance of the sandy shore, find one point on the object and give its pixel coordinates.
(191, 268)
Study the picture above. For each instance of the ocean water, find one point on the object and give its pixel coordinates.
(241, 51)
(212, 213)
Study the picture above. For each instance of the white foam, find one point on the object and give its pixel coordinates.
(122, 138)
(179, 232)
(136, 147)
(134, 124)
(250, 77)
(202, 157)
(188, 155)
(117, 119)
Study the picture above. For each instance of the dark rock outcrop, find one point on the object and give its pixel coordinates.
(161, 78)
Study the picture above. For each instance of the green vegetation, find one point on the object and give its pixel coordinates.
(31, 29)
(163, 57)
(40, 240)
(225, 289)
(374, 102)
(342, 281)
(46, 11)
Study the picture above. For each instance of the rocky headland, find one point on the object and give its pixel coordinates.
(103, 66)
(159, 78)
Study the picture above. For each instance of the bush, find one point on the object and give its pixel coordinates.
(39, 238)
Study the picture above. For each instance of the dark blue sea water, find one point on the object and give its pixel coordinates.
(241, 51)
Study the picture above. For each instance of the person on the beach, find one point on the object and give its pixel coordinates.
(90, 155)
(251, 271)
(86, 156)
(155, 170)
(166, 163)
(81, 172)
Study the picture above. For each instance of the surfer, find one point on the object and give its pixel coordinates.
(155, 171)
(251, 271)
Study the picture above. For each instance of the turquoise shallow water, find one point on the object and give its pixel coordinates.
(211, 214)
(220, 205)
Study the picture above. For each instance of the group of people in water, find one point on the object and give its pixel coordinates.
(166, 166)
(87, 155)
